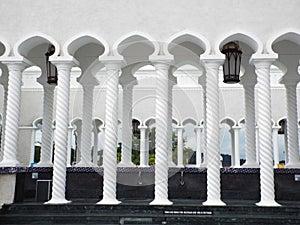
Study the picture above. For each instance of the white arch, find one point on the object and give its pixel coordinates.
(6, 46)
(81, 39)
(35, 39)
(187, 35)
(281, 118)
(289, 34)
(148, 120)
(229, 121)
(241, 121)
(37, 120)
(245, 37)
(189, 120)
(132, 35)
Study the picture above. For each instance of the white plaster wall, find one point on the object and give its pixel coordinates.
(213, 19)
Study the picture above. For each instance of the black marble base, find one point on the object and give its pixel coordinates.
(138, 183)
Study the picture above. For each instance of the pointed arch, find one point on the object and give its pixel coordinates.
(25, 44)
(229, 121)
(292, 35)
(135, 36)
(190, 36)
(251, 40)
(81, 39)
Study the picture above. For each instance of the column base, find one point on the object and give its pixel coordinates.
(161, 202)
(171, 164)
(85, 164)
(9, 163)
(109, 201)
(203, 165)
(44, 164)
(143, 166)
(126, 164)
(271, 203)
(57, 201)
(250, 165)
(292, 165)
(215, 202)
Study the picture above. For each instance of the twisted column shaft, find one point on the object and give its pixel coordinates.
(169, 127)
(204, 164)
(212, 133)
(236, 131)
(250, 139)
(262, 69)
(87, 120)
(198, 148)
(111, 135)
(143, 148)
(292, 126)
(95, 152)
(61, 133)
(275, 145)
(47, 131)
(127, 127)
(161, 137)
(179, 146)
(3, 120)
(12, 114)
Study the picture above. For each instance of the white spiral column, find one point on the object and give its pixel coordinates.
(95, 152)
(47, 131)
(275, 145)
(212, 133)
(3, 119)
(143, 147)
(87, 126)
(204, 164)
(111, 134)
(180, 146)
(292, 126)
(262, 69)
(236, 131)
(126, 150)
(250, 139)
(11, 129)
(161, 137)
(198, 146)
(170, 123)
(61, 132)
(69, 147)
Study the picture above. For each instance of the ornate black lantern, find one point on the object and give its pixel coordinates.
(51, 69)
(282, 124)
(232, 64)
(135, 126)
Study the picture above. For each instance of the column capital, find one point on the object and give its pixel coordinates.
(263, 60)
(16, 64)
(212, 61)
(179, 127)
(141, 127)
(112, 62)
(162, 59)
(276, 127)
(63, 62)
(236, 127)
